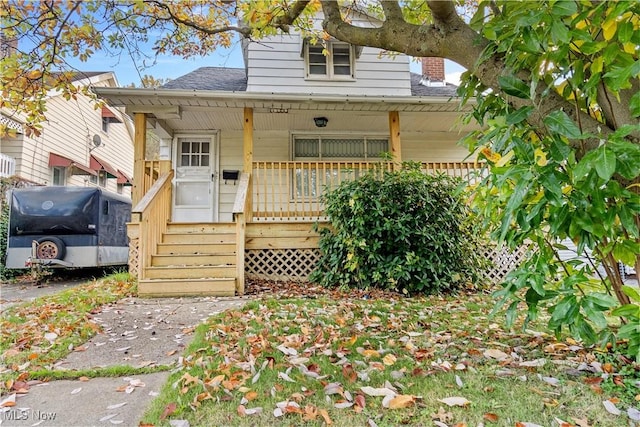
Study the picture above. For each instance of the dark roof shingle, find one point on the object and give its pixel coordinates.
(418, 89)
(211, 78)
(235, 80)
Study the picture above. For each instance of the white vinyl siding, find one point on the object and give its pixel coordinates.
(277, 64)
(67, 132)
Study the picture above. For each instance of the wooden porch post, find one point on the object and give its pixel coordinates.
(247, 155)
(394, 136)
(139, 147)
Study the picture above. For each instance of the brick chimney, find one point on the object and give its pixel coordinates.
(433, 69)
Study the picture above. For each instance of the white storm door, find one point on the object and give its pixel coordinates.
(195, 198)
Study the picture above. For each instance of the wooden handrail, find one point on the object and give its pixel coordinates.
(153, 213)
(240, 203)
(290, 190)
(240, 214)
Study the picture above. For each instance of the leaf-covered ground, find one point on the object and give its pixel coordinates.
(308, 356)
(37, 334)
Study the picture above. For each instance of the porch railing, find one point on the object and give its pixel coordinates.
(7, 166)
(152, 214)
(240, 213)
(292, 190)
(153, 169)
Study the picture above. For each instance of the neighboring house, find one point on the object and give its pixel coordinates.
(79, 144)
(246, 153)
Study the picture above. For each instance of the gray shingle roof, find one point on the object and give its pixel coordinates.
(235, 80)
(211, 78)
(418, 89)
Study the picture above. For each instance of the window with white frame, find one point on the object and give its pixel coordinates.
(308, 182)
(100, 179)
(59, 176)
(105, 124)
(331, 60)
(339, 147)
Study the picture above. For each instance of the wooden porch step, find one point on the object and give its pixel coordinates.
(195, 228)
(193, 259)
(199, 238)
(194, 248)
(191, 272)
(183, 287)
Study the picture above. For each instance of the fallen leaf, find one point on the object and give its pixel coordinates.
(459, 381)
(343, 404)
(370, 391)
(389, 359)
(611, 407)
(455, 401)
(442, 416)
(491, 417)
(333, 388)
(325, 415)
(50, 336)
(107, 417)
(633, 414)
(251, 395)
(8, 401)
(581, 422)
(76, 390)
(550, 380)
(402, 401)
(370, 353)
(561, 423)
(360, 402)
(116, 406)
(285, 377)
(83, 379)
(310, 413)
(496, 354)
(168, 410)
(533, 363)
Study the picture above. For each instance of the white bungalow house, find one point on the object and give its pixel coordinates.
(247, 153)
(79, 145)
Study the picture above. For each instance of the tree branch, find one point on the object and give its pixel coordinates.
(245, 31)
(450, 37)
(283, 21)
(392, 10)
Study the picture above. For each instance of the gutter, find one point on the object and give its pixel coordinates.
(105, 92)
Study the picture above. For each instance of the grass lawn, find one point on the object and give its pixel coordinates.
(34, 335)
(354, 361)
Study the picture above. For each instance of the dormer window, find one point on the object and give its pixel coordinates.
(338, 63)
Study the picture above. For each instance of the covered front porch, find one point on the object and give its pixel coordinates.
(263, 225)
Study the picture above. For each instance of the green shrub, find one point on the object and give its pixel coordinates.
(4, 230)
(402, 230)
(6, 184)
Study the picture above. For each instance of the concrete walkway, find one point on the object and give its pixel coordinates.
(136, 332)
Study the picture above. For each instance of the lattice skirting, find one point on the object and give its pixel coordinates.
(502, 262)
(134, 245)
(280, 264)
(297, 264)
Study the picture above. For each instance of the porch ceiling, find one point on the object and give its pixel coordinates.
(183, 110)
(356, 121)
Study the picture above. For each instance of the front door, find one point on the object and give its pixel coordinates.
(195, 198)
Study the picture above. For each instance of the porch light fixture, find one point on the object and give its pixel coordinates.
(320, 121)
